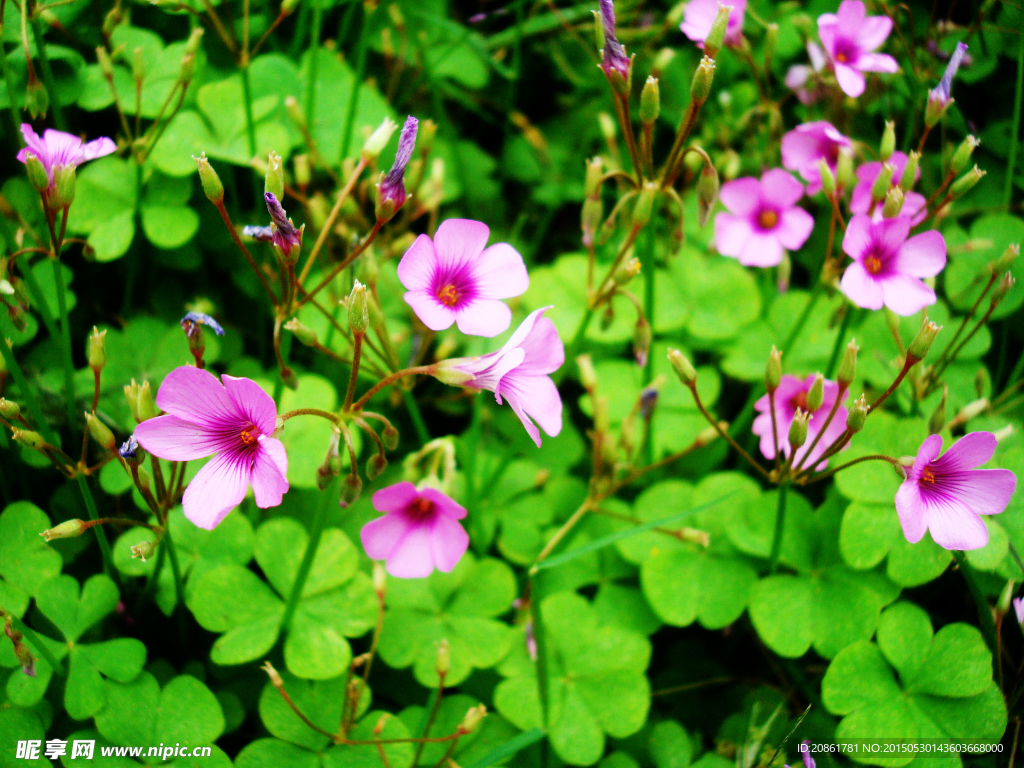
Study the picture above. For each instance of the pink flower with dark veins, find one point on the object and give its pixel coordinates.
(946, 495)
(849, 38)
(700, 14)
(455, 278)
(860, 202)
(763, 220)
(234, 422)
(790, 395)
(56, 149)
(806, 144)
(420, 532)
(887, 267)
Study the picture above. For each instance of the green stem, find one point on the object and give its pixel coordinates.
(315, 533)
(26, 391)
(988, 624)
(780, 524)
(101, 535)
(154, 576)
(541, 639)
(69, 366)
(172, 553)
(314, 61)
(647, 265)
(357, 85)
(837, 348)
(574, 346)
(33, 638)
(417, 418)
(1015, 130)
(802, 320)
(250, 125)
(286, 350)
(44, 67)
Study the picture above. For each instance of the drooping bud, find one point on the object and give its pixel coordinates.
(213, 188)
(105, 64)
(350, 490)
(773, 370)
(848, 365)
(644, 204)
(37, 176)
(391, 189)
(938, 418)
(1009, 256)
(716, 36)
(893, 204)
(143, 550)
(132, 453)
(828, 181)
(626, 271)
(683, 367)
(888, 145)
(909, 177)
(274, 180)
(704, 75)
(798, 429)
(816, 394)
(966, 183)
(375, 466)
(96, 352)
(1002, 288)
(591, 214)
(37, 100)
(305, 334)
(707, 193)
(69, 529)
(882, 183)
(358, 313)
(379, 139)
(919, 347)
(650, 102)
(963, 153)
(285, 236)
(1005, 601)
(100, 432)
(845, 177)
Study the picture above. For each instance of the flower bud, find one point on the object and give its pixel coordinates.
(379, 139)
(845, 177)
(64, 183)
(919, 347)
(105, 64)
(828, 180)
(358, 313)
(934, 110)
(707, 193)
(700, 88)
(9, 409)
(138, 66)
(882, 183)
(893, 203)
(97, 354)
(472, 719)
(888, 145)
(588, 374)
(274, 180)
(592, 185)
(100, 432)
(28, 438)
(816, 394)
(642, 337)
(626, 271)
(1009, 256)
(784, 272)
(212, 186)
(36, 173)
(389, 436)
(650, 102)
(598, 31)
(69, 529)
(607, 125)
(1002, 288)
(716, 36)
(375, 466)
(447, 373)
(37, 100)
(591, 214)
(909, 177)
(275, 677)
(683, 367)
(1005, 601)
(444, 658)
(644, 204)
(380, 579)
(143, 550)
(848, 365)
(350, 490)
(798, 429)
(966, 182)
(963, 153)
(773, 370)
(305, 334)
(938, 418)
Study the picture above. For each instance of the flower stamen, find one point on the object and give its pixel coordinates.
(927, 476)
(448, 295)
(873, 265)
(768, 219)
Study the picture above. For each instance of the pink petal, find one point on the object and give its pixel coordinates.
(269, 472)
(448, 542)
(850, 80)
(761, 250)
(731, 233)
(411, 557)
(873, 31)
(252, 402)
(877, 62)
(197, 396)
(63, 148)
(417, 267)
(34, 144)
(698, 18)
(926, 454)
(98, 148)
(535, 396)
(905, 295)
(216, 489)
(543, 349)
(460, 241)
(781, 189)
(395, 498)
(911, 510)
(970, 451)
(858, 238)
(983, 491)
(444, 504)
(175, 439)
(794, 228)
(923, 255)
(431, 312)
(483, 317)
(741, 196)
(796, 76)
(500, 273)
(860, 287)
(954, 526)
(827, 23)
(850, 14)
(891, 234)
(381, 536)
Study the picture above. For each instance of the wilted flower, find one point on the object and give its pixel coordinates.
(946, 495)
(58, 149)
(614, 58)
(806, 144)
(281, 233)
(887, 267)
(193, 319)
(234, 423)
(701, 13)
(391, 190)
(849, 37)
(763, 219)
(454, 278)
(942, 94)
(791, 396)
(129, 447)
(419, 533)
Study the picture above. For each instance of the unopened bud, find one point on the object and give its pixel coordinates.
(104, 62)
(919, 347)
(644, 204)
(588, 374)
(828, 180)
(350, 490)
(447, 373)
(798, 429)
(816, 394)
(882, 183)
(626, 271)
(273, 674)
(9, 409)
(661, 61)
(378, 729)
(683, 367)
(591, 214)
(888, 145)
(274, 180)
(36, 173)
(893, 203)
(773, 370)
(375, 466)
(1002, 288)
(716, 36)
(938, 418)
(390, 437)
(444, 658)
(1005, 601)
(64, 182)
(966, 183)
(380, 579)
(69, 529)
(358, 312)
(100, 432)
(784, 272)
(848, 365)
(963, 153)
(1009, 256)
(144, 481)
(642, 337)
(845, 177)
(909, 177)
(37, 100)
(97, 354)
(700, 88)
(212, 186)
(379, 139)
(707, 193)
(650, 102)
(305, 334)
(28, 438)
(472, 719)
(143, 550)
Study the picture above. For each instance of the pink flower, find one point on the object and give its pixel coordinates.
(519, 372)
(454, 279)
(798, 75)
(806, 144)
(57, 149)
(860, 202)
(946, 495)
(764, 219)
(790, 395)
(235, 424)
(419, 533)
(701, 13)
(887, 266)
(1018, 604)
(391, 190)
(849, 38)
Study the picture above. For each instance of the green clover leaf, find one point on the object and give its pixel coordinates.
(26, 561)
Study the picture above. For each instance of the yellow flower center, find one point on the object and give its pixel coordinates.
(768, 219)
(927, 476)
(249, 435)
(873, 265)
(449, 296)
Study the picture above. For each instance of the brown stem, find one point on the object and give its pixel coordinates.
(339, 267)
(276, 681)
(245, 252)
(331, 417)
(775, 430)
(585, 507)
(827, 474)
(331, 217)
(674, 160)
(824, 428)
(430, 718)
(725, 435)
(358, 404)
